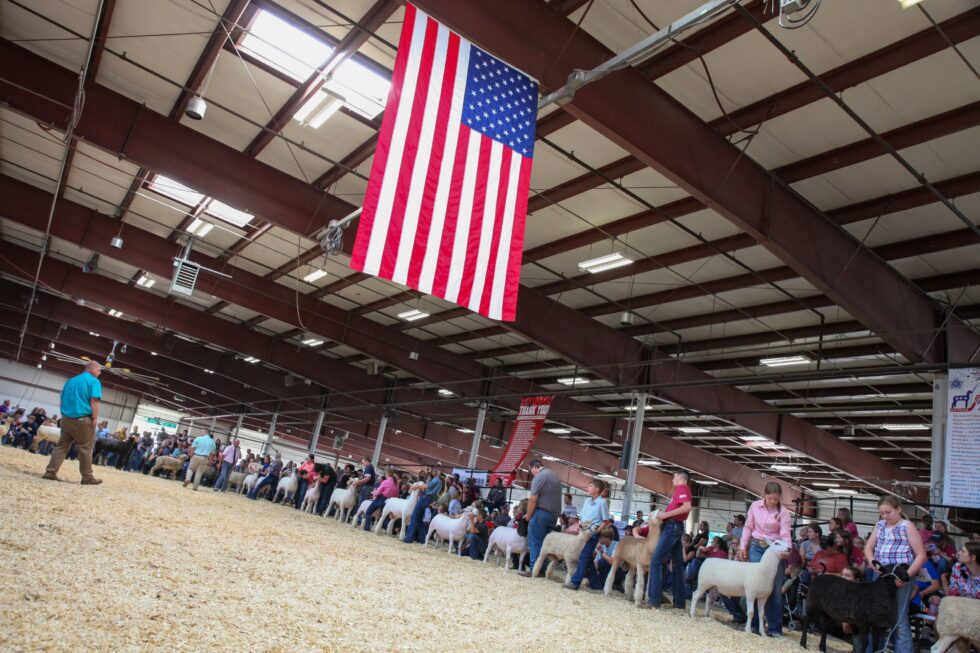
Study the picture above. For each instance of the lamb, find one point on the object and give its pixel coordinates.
(453, 529)
(635, 552)
(359, 515)
(869, 607)
(732, 578)
(167, 464)
(506, 540)
(342, 500)
(287, 487)
(958, 624)
(236, 479)
(310, 498)
(45, 433)
(122, 449)
(249, 483)
(398, 509)
(562, 546)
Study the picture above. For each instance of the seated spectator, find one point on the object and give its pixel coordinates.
(25, 432)
(926, 530)
(810, 544)
(829, 560)
(854, 575)
(477, 535)
(844, 515)
(455, 507)
(569, 509)
(964, 579)
(924, 591)
(835, 525)
(943, 542)
(497, 496)
(503, 516)
(639, 519)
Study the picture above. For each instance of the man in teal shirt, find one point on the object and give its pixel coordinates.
(79, 414)
(201, 448)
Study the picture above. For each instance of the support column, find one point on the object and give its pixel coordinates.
(381, 438)
(635, 437)
(238, 425)
(272, 432)
(940, 398)
(477, 436)
(315, 438)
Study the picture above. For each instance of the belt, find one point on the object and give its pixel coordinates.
(760, 543)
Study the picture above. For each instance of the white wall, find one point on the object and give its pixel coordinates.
(30, 387)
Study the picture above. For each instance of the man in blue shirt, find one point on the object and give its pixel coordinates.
(430, 492)
(201, 448)
(80, 413)
(366, 483)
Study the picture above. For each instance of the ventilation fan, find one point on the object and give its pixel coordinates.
(187, 271)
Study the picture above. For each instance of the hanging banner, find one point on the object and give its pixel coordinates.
(961, 476)
(527, 426)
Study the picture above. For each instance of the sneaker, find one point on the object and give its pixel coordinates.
(91, 481)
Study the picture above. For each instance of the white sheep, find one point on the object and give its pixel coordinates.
(635, 552)
(451, 528)
(236, 479)
(168, 463)
(310, 498)
(397, 509)
(753, 580)
(342, 500)
(286, 488)
(249, 483)
(958, 624)
(46, 433)
(359, 515)
(506, 541)
(565, 547)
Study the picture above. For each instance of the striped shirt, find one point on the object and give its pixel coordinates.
(892, 545)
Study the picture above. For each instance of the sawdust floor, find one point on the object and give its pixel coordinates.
(139, 563)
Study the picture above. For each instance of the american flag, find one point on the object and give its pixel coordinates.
(445, 204)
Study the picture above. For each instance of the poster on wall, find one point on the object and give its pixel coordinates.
(961, 476)
(527, 426)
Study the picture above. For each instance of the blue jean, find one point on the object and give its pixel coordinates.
(222, 482)
(586, 564)
(902, 636)
(326, 489)
(774, 604)
(540, 525)
(415, 532)
(300, 492)
(475, 548)
(266, 480)
(670, 546)
(377, 504)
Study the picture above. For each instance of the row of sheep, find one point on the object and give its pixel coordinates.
(869, 607)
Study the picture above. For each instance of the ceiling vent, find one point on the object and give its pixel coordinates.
(185, 277)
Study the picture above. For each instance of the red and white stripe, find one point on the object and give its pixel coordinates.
(445, 205)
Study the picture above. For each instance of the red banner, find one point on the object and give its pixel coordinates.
(527, 426)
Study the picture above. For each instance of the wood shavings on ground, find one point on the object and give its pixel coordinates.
(141, 564)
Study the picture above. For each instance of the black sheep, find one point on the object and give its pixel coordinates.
(122, 449)
(870, 608)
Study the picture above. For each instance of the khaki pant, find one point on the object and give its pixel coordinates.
(195, 470)
(78, 431)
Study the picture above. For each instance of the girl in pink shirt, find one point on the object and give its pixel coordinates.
(387, 489)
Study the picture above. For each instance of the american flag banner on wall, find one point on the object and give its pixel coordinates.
(445, 204)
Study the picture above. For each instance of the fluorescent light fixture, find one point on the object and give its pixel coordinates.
(200, 228)
(573, 380)
(93, 333)
(912, 426)
(648, 462)
(312, 342)
(842, 490)
(786, 468)
(603, 263)
(692, 429)
(909, 3)
(631, 407)
(446, 393)
(824, 484)
(114, 313)
(251, 359)
(146, 281)
(782, 361)
(315, 275)
(754, 438)
(466, 430)
(549, 458)
(153, 353)
(412, 315)
(318, 109)
(207, 371)
(608, 476)
(705, 482)
(559, 431)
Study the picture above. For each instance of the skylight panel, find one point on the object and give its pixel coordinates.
(229, 214)
(363, 90)
(288, 49)
(175, 190)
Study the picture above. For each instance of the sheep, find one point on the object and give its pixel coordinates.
(343, 500)
(236, 479)
(958, 624)
(287, 487)
(249, 483)
(449, 527)
(732, 578)
(45, 433)
(310, 498)
(562, 546)
(167, 464)
(359, 515)
(870, 608)
(506, 540)
(397, 509)
(122, 449)
(635, 552)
